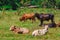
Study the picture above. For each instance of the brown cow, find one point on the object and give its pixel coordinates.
(27, 16)
(58, 24)
(19, 30)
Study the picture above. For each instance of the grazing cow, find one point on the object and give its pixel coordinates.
(27, 16)
(40, 31)
(19, 30)
(44, 17)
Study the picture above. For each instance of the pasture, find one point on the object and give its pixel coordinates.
(10, 17)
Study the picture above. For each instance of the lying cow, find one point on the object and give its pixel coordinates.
(58, 24)
(51, 25)
(44, 17)
(19, 30)
(27, 16)
(39, 32)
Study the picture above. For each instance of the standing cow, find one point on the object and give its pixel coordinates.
(44, 17)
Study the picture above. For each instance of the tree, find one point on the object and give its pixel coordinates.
(52, 3)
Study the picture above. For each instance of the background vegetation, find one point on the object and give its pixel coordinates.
(14, 4)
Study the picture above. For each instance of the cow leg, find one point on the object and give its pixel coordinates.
(41, 23)
(33, 19)
(52, 20)
(25, 19)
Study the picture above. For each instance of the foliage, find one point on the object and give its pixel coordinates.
(14, 4)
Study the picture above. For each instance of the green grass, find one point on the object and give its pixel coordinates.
(8, 18)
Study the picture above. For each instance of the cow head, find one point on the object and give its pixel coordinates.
(22, 18)
(12, 28)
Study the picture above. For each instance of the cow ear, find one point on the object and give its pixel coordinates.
(14, 26)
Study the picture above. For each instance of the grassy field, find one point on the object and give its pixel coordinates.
(10, 17)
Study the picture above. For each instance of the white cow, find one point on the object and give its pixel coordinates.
(40, 31)
(19, 30)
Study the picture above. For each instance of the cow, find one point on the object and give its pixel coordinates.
(40, 32)
(19, 30)
(51, 25)
(44, 17)
(58, 24)
(27, 16)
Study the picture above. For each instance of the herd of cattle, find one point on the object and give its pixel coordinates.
(41, 17)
